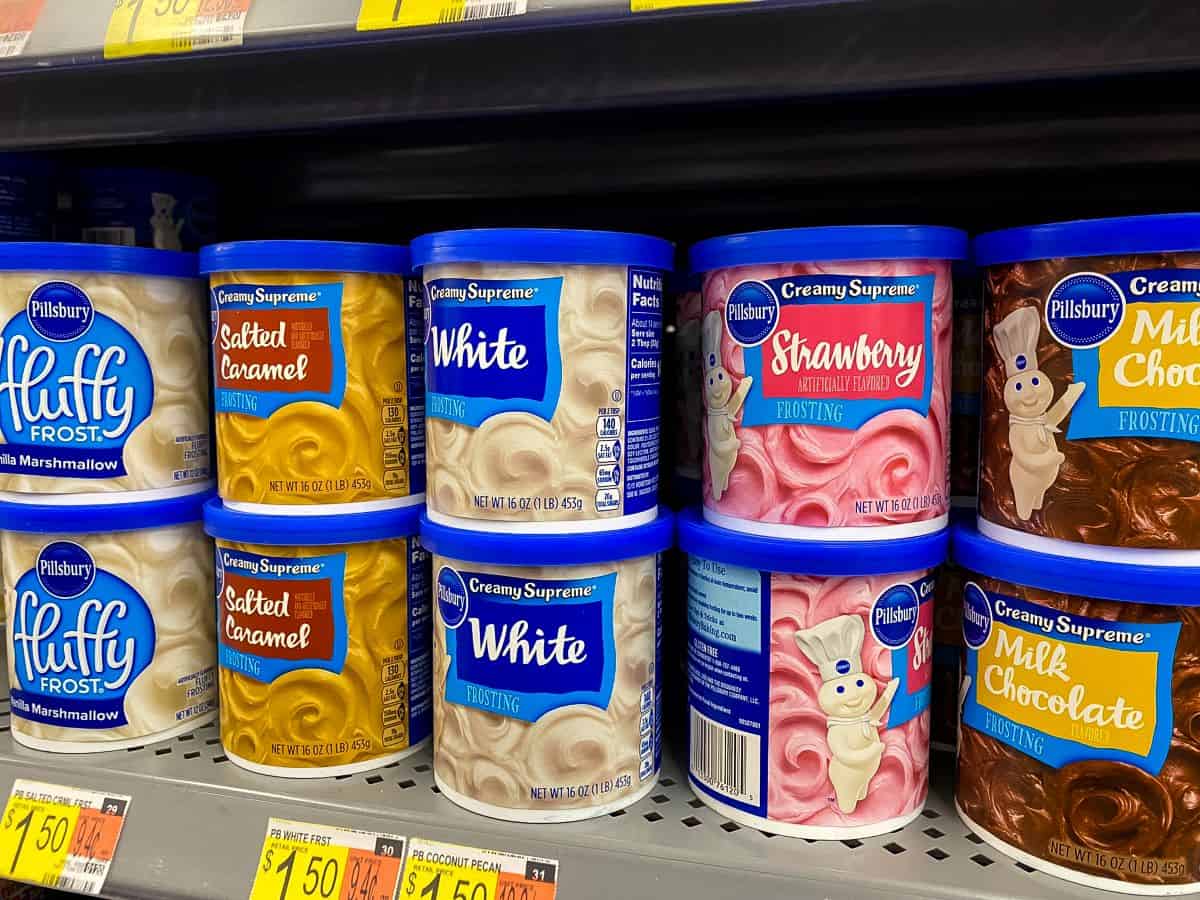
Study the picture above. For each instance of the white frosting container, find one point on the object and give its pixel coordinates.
(547, 675)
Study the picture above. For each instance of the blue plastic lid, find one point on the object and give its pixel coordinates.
(44, 256)
(1160, 585)
(562, 549)
(543, 245)
(772, 554)
(281, 530)
(839, 242)
(305, 256)
(1090, 237)
(103, 517)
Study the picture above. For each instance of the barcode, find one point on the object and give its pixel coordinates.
(473, 10)
(72, 884)
(123, 237)
(725, 759)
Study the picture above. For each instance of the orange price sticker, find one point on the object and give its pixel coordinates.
(17, 20)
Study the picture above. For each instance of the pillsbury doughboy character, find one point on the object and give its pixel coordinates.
(1032, 420)
(848, 699)
(722, 404)
(166, 229)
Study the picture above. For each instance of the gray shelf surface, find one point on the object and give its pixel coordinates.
(304, 66)
(196, 826)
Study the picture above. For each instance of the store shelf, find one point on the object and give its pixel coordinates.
(303, 66)
(197, 822)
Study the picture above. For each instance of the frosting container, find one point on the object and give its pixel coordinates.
(548, 675)
(826, 367)
(27, 197)
(809, 670)
(144, 208)
(544, 360)
(110, 636)
(947, 657)
(1091, 388)
(103, 374)
(323, 639)
(964, 387)
(319, 376)
(1079, 750)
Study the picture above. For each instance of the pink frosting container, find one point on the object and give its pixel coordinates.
(826, 379)
(809, 668)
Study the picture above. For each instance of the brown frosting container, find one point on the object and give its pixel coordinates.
(1110, 456)
(1079, 749)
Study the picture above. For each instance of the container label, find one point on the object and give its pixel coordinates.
(1135, 349)
(492, 347)
(834, 350)
(277, 344)
(75, 386)
(730, 639)
(81, 636)
(280, 614)
(521, 647)
(1061, 687)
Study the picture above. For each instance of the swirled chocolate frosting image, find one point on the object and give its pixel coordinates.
(1090, 456)
(1099, 816)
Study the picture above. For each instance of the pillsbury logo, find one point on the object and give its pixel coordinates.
(894, 616)
(451, 597)
(1084, 310)
(81, 636)
(60, 311)
(842, 666)
(751, 313)
(65, 569)
(977, 616)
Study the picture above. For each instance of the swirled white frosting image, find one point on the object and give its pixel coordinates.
(111, 638)
(545, 690)
(103, 382)
(542, 391)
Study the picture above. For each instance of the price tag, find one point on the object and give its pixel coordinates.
(650, 5)
(17, 18)
(374, 15)
(61, 837)
(144, 27)
(437, 871)
(302, 862)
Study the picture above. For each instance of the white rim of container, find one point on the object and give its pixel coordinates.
(834, 533)
(51, 746)
(569, 526)
(1145, 556)
(322, 509)
(546, 816)
(310, 772)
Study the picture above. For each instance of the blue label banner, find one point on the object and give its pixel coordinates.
(492, 348)
(526, 646)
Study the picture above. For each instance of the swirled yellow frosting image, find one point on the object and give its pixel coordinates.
(543, 363)
(547, 690)
(319, 374)
(111, 638)
(325, 660)
(103, 372)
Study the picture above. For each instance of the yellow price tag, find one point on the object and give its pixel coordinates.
(58, 836)
(144, 27)
(300, 861)
(650, 5)
(374, 15)
(437, 871)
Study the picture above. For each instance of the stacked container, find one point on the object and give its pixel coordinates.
(104, 468)
(826, 379)
(1080, 693)
(543, 354)
(322, 591)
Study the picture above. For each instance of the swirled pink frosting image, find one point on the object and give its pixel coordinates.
(800, 790)
(892, 470)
